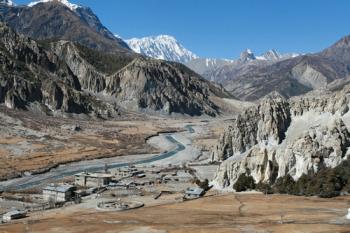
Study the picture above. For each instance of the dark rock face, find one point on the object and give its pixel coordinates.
(29, 73)
(63, 76)
(162, 86)
(53, 20)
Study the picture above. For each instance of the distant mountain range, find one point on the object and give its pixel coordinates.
(251, 77)
(290, 77)
(210, 68)
(168, 48)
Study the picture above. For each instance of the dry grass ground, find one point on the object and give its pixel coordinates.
(226, 213)
(35, 143)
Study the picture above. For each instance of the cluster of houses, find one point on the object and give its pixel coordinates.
(86, 183)
(121, 177)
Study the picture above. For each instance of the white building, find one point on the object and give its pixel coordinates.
(87, 179)
(58, 193)
(14, 214)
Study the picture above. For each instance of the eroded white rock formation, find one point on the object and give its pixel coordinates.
(280, 137)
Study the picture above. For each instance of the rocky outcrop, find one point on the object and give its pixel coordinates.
(53, 19)
(142, 84)
(265, 124)
(89, 78)
(161, 86)
(297, 137)
(32, 74)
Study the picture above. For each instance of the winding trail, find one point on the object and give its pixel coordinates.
(97, 165)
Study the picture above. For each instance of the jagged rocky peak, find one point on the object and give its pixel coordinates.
(71, 6)
(285, 137)
(340, 51)
(343, 42)
(53, 19)
(265, 124)
(247, 55)
(33, 77)
(162, 86)
(271, 55)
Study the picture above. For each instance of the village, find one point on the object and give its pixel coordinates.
(117, 189)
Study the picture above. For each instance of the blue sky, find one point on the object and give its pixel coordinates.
(223, 28)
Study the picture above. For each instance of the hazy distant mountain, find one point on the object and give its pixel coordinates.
(203, 66)
(290, 77)
(215, 69)
(161, 47)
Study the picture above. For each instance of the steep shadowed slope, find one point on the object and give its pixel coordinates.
(55, 20)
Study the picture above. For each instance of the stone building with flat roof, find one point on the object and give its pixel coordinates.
(87, 179)
(59, 193)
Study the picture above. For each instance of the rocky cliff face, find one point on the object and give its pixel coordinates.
(75, 79)
(285, 137)
(89, 78)
(54, 20)
(161, 86)
(142, 84)
(265, 124)
(31, 74)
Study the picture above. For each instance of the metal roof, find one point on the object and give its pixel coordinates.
(59, 188)
(95, 175)
(194, 191)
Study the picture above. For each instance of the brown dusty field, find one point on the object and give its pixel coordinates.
(36, 143)
(226, 213)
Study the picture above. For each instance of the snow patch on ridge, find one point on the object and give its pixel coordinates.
(163, 47)
(71, 6)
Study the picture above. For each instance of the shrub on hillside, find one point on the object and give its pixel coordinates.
(328, 182)
(244, 183)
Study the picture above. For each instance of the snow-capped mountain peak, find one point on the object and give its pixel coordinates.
(247, 55)
(161, 47)
(8, 2)
(270, 55)
(71, 6)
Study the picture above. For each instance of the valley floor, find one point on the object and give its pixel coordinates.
(219, 213)
(216, 212)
